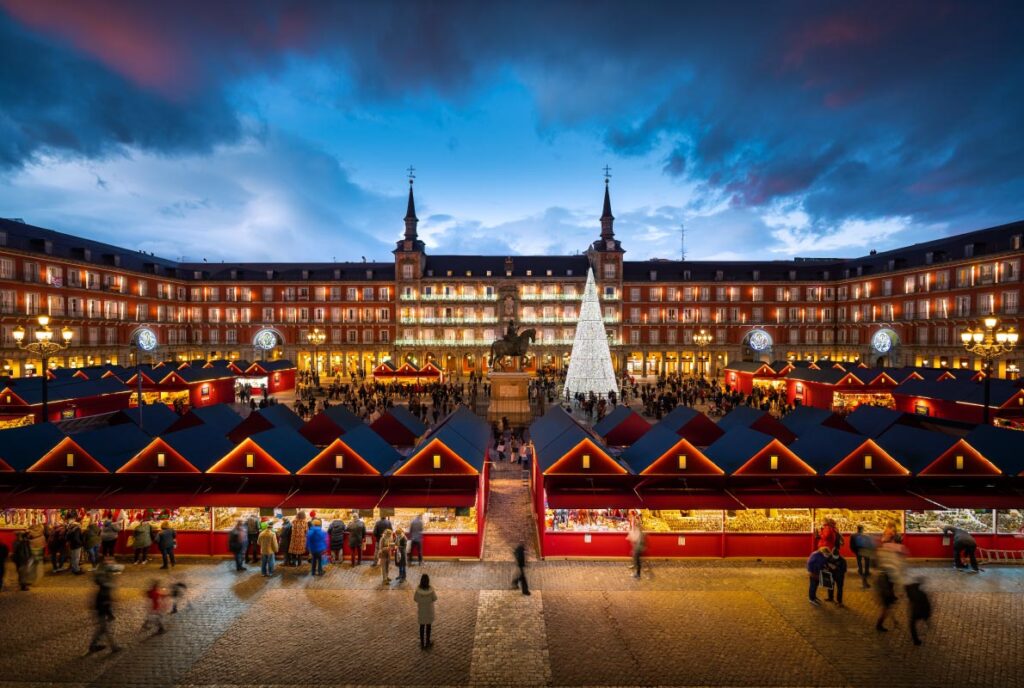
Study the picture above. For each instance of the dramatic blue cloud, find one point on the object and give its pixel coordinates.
(821, 128)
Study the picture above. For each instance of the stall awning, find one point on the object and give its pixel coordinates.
(424, 499)
(335, 500)
(138, 500)
(976, 499)
(780, 500)
(813, 500)
(593, 499)
(687, 500)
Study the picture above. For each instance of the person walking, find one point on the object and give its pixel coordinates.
(76, 543)
(837, 567)
(863, 548)
(108, 537)
(143, 538)
(962, 542)
(816, 563)
(890, 576)
(520, 580)
(252, 528)
(920, 608)
(4, 553)
(638, 541)
(104, 608)
(237, 542)
(155, 618)
(166, 541)
(316, 543)
(336, 531)
(24, 560)
(356, 535)
(379, 527)
(401, 545)
(385, 551)
(425, 598)
(416, 538)
(92, 543)
(268, 551)
(297, 546)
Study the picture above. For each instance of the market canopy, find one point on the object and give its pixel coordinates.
(663, 452)
(693, 425)
(113, 445)
(220, 417)
(836, 453)
(201, 445)
(756, 419)
(563, 447)
(399, 427)
(745, 452)
(278, 451)
(261, 420)
(158, 457)
(330, 424)
(156, 418)
(872, 421)
(1004, 448)
(360, 451)
(622, 426)
(805, 418)
(929, 453)
(21, 448)
(458, 446)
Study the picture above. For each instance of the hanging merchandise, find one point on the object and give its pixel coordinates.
(590, 363)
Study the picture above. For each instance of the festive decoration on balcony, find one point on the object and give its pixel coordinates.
(590, 364)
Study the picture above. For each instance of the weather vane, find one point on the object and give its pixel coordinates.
(607, 173)
(411, 172)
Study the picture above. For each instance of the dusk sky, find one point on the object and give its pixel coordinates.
(282, 130)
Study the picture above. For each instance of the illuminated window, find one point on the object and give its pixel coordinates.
(71, 460)
(250, 460)
(437, 461)
(959, 462)
(161, 460)
(682, 462)
(867, 462)
(339, 461)
(586, 461)
(774, 462)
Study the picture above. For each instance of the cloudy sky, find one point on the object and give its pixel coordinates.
(282, 130)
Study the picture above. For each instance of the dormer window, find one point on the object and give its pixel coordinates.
(70, 458)
(161, 460)
(339, 462)
(867, 462)
(682, 462)
(437, 462)
(773, 462)
(250, 460)
(586, 461)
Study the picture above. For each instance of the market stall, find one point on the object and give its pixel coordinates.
(622, 427)
(277, 375)
(743, 376)
(261, 420)
(329, 424)
(221, 417)
(67, 398)
(399, 427)
(693, 425)
(755, 419)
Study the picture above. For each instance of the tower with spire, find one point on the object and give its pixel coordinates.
(410, 253)
(605, 256)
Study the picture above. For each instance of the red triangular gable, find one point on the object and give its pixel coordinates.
(436, 459)
(839, 366)
(813, 366)
(882, 380)
(67, 457)
(338, 459)
(8, 397)
(256, 369)
(1015, 401)
(172, 378)
(586, 458)
(786, 462)
(133, 380)
(406, 369)
(5, 467)
(765, 369)
(941, 378)
(682, 459)
(383, 370)
(430, 370)
(248, 458)
(848, 380)
(961, 459)
(868, 459)
(158, 457)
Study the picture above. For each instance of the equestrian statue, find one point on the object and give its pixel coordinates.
(514, 344)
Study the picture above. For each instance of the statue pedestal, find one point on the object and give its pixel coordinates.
(510, 398)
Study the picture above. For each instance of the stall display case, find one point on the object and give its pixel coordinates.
(438, 519)
(874, 521)
(673, 521)
(1010, 521)
(18, 519)
(587, 520)
(225, 517)
(195, 518)
(971, 520)
(769, 521)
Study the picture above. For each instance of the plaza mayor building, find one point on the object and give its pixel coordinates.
(906, 306)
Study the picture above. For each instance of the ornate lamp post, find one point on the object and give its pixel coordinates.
(316, 337)
(989, 342)
(702, 339)
(44, 346)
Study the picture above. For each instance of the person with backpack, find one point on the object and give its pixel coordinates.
(863, 548)
(237, 543)
(336, 531)
(817, 563)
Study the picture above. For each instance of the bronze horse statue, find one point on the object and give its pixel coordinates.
(517, 345)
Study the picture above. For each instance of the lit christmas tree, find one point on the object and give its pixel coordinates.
(590, 363)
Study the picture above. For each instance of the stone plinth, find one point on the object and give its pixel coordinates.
(510, 398)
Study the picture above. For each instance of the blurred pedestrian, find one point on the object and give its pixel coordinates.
(104, 608)
(816, 564)
(56, 545)
(520, 580)
(638, 542)
(316, 543)
(890, 576)
(24, 560)
(108, 537)
(401, 553)
(155, 617)
(962, 542)
(166, 541)
(416, 538)
(4, 552)
(425, 598)
(827, 534)
(177, 592)
(837, 567)
(385, 551)
(237, 542)
(920, 607)
(268, 551)
(864, 549)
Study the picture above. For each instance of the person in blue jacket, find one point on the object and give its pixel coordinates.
(316, 543)
(816, 563)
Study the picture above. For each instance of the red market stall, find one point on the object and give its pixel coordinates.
(693, 425)
(67, 398)
(201, 386)
(384, 372)
(622, 427)
(399, 427)
(261, 420)
(962, 400)
(839, 390)
(278, 376)
(743, 376)
(329, 424)
(755, 419)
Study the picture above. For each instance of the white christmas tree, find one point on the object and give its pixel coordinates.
(590, 364)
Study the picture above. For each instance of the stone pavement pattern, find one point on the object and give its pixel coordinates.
(709, 623)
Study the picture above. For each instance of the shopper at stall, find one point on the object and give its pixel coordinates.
(237, 543)
(297, 546)
(356, 535)
(76, 543)
(268, 551)
(827, 534)
(962, 542)
(837, 567)
(4, 552)
(108, 537)
(56, 544)
(104, 608)
(166, 541)
(425, 598)
(385, 552)
(520, 580)
(252, 527)
(142, 540)
(816, 564)
(336, 531)
(23, 560)
(863, 547)
(638, 542)
(285, 541)
(92, 543)
(401, 553)
(416, 538)
(37, 541)
(379, 527)
(316, 543)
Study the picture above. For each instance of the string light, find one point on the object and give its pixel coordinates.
(590, 363)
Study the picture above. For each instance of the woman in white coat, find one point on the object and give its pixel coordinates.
(425, 597)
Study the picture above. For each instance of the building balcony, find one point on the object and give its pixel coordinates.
(426, 320)
(550, 297)
(448, 297)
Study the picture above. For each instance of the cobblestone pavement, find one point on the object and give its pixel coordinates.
(509, 521)
(699, 623)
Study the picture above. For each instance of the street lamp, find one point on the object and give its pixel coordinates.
(316, 337)
(702, 339)
(989, 342)
(44, 346)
